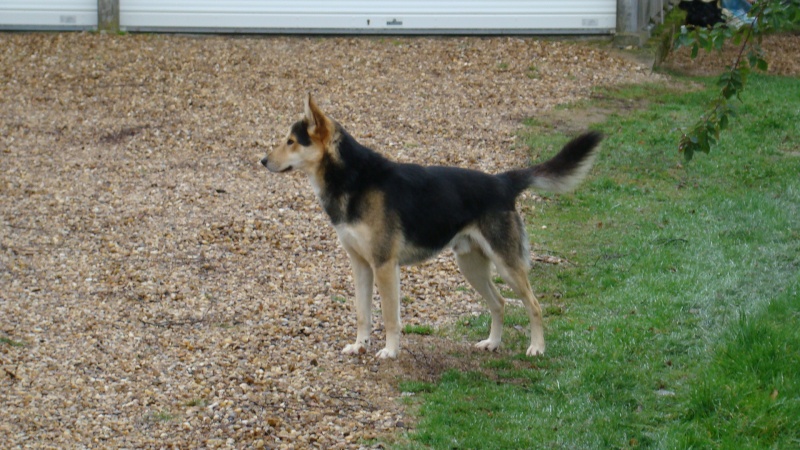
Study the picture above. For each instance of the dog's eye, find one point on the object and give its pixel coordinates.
(290, 142)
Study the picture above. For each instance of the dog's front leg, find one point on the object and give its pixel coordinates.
(364, 282)
(388, 278)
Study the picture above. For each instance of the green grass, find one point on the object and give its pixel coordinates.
(676, 326)
(160, 416)
(416, 387)
(423, 330)
(196, 402)
(749, 396)
(11, 342)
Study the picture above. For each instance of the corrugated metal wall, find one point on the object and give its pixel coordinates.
(371, 16)
(322, 16)
(48, 14)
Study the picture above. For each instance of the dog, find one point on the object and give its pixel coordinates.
(387, 214)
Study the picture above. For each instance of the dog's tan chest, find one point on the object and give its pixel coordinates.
(356, 238)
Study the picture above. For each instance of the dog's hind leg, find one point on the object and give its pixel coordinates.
(505, 234)
(388, 280)
(476, 268)
(362, 273)
(517, 277)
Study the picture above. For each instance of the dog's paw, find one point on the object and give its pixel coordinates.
(386, 353)
(488, 345)
(354, 349)
(535, 350)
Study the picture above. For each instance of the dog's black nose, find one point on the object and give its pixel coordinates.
(265, 161)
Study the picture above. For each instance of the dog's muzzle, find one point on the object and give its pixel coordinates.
(265, 163)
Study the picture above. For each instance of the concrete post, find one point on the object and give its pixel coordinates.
(628, 27)
(627, 15)
(108, 15)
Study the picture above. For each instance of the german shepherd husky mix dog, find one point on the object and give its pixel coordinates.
(388, 214)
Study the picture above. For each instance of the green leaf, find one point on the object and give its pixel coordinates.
(684, 39)
(752, 58)
(686, 147)
(723, 122)
(702, 39)
(688, 152)
(737, 38)
(712, 130)
(728, 91)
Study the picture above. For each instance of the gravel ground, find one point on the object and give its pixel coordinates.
(782, 52)
(158, 288)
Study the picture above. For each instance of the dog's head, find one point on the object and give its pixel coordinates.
(305, 145)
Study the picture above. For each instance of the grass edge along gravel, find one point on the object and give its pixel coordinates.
(674, 324)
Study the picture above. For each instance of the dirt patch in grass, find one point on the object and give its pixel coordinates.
(166, 290)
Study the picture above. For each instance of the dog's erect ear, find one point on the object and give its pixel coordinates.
(310, 107)
(318, 124)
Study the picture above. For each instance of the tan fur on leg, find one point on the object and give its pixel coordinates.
(388, 280)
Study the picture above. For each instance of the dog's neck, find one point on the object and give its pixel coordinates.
(344, 174)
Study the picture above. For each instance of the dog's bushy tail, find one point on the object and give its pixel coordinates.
(563, 172)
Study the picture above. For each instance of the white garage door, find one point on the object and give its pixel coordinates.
(370, 16)
(48, 14)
